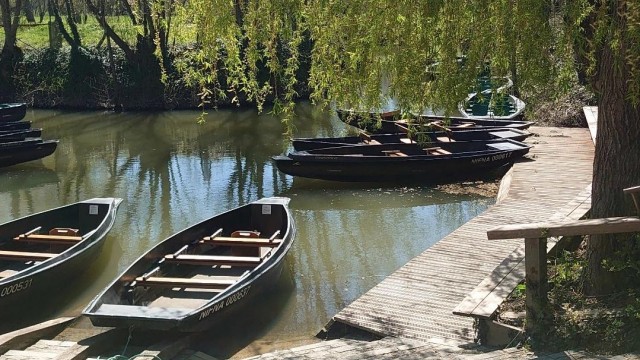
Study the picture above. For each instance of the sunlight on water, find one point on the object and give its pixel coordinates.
(172, 172)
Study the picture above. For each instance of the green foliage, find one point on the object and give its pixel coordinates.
(42, 76)
(626, 262)
(606, 324)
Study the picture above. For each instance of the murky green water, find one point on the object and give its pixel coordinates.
(172, 172)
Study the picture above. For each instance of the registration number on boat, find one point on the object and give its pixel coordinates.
(230, 300)
(19, 286)
(491, 158)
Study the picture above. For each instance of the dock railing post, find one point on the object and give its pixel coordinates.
(535, 258)
(535, 250)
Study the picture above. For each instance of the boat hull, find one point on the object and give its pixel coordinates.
(31, 287)
(12, 112)
(362, 163)
(19, 135)
(16, 125)
(19, 152)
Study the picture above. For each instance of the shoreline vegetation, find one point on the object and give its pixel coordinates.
(98, 79)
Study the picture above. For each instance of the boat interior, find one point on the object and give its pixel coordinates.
(192, 275)
(31, 240)
(410, 148)
(35, 246)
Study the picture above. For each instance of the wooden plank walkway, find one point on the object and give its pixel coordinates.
(402, 348)
(417, 300)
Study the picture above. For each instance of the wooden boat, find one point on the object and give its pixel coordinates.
(422, 123)
(483, 134)
(12, 112)
(15, 125)
(43, 252)
(440, 162)
(200, 276)
(19, 135)
(16, 152)
(492, 106)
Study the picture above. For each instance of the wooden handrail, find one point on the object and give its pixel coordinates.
(613, 225)
(535, 238)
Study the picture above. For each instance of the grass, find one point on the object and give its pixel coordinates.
(36, 35)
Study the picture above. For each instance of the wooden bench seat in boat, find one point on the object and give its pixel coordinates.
(366, 138)
(25, 255)
(213, 260)
(437, 151)
(209, 283)
(394, 153)
(243, 241)
(56, 235)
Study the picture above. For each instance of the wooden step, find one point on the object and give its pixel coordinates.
(25, 255)
(204, 283)
(214, 260)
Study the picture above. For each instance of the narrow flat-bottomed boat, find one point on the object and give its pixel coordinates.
(41, 254)
(300, 144)
(17, 152)
(440, 162)
(12, 112)
(201, 276)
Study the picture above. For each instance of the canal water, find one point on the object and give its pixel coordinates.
(172, 172)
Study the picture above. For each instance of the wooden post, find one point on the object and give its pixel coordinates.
(535, 259)
(633, 191)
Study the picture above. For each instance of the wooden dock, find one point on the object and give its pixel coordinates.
(416, 301)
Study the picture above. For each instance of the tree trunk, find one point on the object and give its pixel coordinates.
(616, 166)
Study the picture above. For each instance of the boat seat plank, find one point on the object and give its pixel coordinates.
(234, 241)
(243, 240)
(208, 283)
(394, 153)
(48, 238)
(437, 151)
(6, 273)
(214, 260)
(25, 255)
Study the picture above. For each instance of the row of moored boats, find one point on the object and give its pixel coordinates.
(19, 142)
(425, 148)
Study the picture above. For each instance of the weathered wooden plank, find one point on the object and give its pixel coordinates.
(214, 260)
(23, 338)
(566, 228)
(206, 283)
(25, 255)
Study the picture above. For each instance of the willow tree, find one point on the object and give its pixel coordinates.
(363, 46)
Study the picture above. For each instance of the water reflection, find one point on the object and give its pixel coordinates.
(172, 172)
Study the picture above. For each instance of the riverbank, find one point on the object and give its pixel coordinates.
(93, 78)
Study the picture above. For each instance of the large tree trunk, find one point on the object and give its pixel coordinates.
(10, 25)
(616, 166)
(10, 53)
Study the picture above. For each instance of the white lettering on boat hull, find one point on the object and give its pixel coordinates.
(228, 301)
